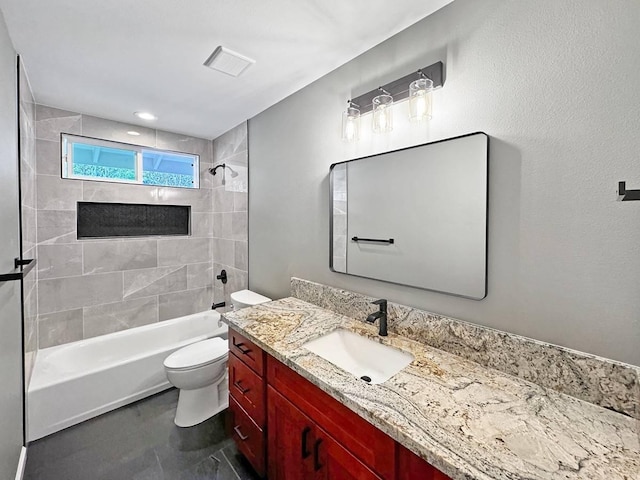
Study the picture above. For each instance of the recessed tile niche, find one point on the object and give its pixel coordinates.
(104, 220)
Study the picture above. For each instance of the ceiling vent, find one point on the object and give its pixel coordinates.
(227, 61)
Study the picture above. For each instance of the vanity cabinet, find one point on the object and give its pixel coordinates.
(288, 427)
(247, 400)
(301, 450)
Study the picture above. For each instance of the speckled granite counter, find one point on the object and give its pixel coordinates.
(469, 421)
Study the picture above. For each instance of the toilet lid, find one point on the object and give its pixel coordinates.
(249, 297)
(199, 353)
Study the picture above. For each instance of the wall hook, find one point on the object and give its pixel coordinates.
(625, 195)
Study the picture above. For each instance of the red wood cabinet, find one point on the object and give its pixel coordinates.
(295, 431)
(247, 400)
(369, 444)
(248, 436)
(412, 467)
(301, 450)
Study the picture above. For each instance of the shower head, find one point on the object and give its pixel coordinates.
(213, 170)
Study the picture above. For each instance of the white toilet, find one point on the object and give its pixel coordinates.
(247, 298)
(199, 370)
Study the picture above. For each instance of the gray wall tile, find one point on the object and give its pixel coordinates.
(201, 224)
(117, 274)
(110, 256)
(200, 275)
(117, 131)
(113, 317)
(239, 226)
(152, 281)
(199, 199)
(183, 251)
(63, 260)
(223, 251)
(67, 293)
(50, 122)
(58, 328)
(186, 144)
(57, 194)
(222, 200)
(120, 193)
(240, 201)
(172, 305)
(230, 143)
(56, 226)
(48, 159)
(241, 254)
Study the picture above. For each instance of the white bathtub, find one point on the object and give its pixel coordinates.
(80, 380)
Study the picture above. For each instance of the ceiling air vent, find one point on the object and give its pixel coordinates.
(227, 61)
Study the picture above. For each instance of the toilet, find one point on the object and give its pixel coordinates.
(199, 370)
(247, 298)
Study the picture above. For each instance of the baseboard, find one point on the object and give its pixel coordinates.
(21, 463)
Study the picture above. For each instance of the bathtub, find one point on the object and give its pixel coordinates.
(80, 380)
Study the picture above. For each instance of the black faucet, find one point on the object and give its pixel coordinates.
(382, 315)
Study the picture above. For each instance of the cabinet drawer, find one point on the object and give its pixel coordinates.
(247, 388)
(249, 438)
(369, 444)
(247, 351)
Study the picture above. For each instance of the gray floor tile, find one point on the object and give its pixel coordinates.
(138, 442)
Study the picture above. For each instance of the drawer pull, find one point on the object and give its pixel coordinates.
(240, 346)
(316, 455)
(239, 387)
(237, 430)
(305, 453)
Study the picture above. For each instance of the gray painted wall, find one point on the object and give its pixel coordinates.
(555, 85)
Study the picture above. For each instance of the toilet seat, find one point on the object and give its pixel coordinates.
(198, 354)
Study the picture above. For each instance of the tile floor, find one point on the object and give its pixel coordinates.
(139, 442)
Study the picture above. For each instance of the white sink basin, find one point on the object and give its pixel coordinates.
(359, 355)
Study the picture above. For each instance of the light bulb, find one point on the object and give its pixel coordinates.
(351, 124)
(382, 113)
(420, 100)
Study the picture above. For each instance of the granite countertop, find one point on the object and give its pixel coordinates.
(469, 421)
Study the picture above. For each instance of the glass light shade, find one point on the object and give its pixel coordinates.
(382, 113)
(420, 100)
(351, 124)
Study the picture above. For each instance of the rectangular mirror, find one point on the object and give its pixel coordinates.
(416, 216)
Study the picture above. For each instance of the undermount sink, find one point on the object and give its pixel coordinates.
(365, 358)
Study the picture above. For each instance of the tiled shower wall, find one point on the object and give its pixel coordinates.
(94, 287)
(230, 219)
(27, 118)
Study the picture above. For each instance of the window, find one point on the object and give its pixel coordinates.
(92, 159)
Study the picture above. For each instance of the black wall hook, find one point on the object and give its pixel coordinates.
(625, 195)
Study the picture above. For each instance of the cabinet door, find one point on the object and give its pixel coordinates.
(290, 440)
(412, 467)
(332, 461)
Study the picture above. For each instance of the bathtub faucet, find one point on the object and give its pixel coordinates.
(217, 305)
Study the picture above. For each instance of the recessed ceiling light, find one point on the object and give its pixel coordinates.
(133, 132)
(145, 115)
(227, 61)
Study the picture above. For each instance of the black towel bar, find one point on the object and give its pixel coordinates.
(377, 240)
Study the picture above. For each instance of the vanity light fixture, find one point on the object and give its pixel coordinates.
(382, 112)
(420, 98)
(351, 122)
(416, 86)
(145, 116)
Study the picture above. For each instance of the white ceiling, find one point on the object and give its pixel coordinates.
(111, 58)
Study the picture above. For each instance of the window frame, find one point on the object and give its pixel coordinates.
(66, 160)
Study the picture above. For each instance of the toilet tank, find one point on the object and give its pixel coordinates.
(247, 298)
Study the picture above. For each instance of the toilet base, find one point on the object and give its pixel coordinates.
(196, 406)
